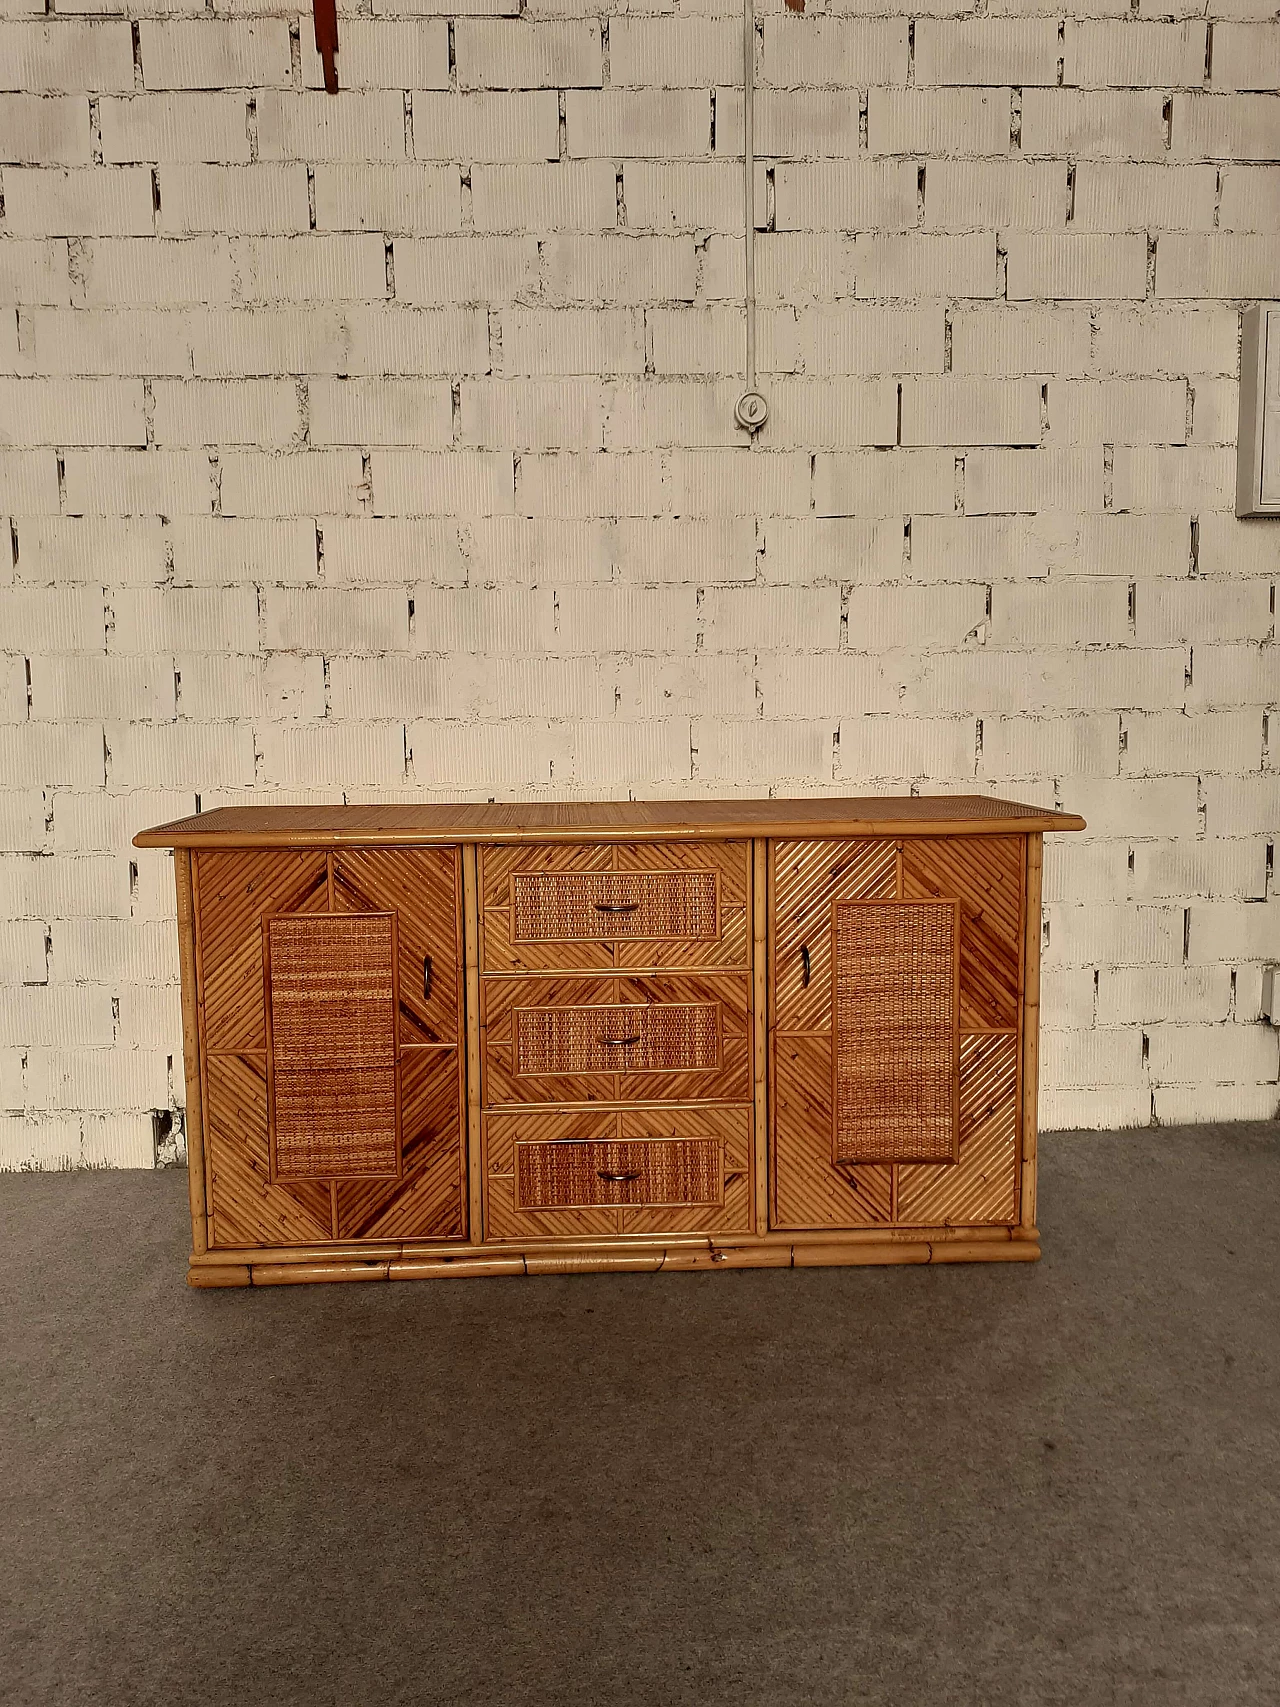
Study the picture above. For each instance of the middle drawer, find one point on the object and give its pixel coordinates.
(616, 1040)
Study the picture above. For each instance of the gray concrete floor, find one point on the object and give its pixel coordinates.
(964, 1486)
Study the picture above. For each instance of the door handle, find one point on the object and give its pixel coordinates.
(426, 977)
(617, 906)
(806, 969)
(619, 1042)
(612, 1178)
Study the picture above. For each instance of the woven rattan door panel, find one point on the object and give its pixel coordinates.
(670, 1038)
(333, 1080)
(897, 1047)
(876, 1059)
(608, 907)
(563, 1174)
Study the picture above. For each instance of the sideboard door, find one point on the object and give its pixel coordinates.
(896, 979)
(330, 1009)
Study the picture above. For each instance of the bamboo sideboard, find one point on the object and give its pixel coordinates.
(519, 1039)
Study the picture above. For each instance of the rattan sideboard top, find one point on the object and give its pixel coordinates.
(608, 821)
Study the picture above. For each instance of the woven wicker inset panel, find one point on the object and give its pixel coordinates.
(596, 906)
(648, 1171)
(660, 1038)
(896, 1037)
(332, 1026)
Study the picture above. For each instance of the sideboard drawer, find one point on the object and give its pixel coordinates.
(633, 1037)
(605, 907)
(593, 1039)
(646, 1172)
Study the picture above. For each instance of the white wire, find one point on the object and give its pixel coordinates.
(749, 179)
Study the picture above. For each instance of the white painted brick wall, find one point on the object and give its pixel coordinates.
(382, 444)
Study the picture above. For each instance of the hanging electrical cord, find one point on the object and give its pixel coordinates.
(751, 411)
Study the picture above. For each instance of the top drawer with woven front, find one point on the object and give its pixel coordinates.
(615, 906)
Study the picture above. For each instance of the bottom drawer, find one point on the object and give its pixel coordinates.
(567, 1173)
(583, 1173)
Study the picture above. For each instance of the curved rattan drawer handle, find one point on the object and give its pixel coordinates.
(617, 1178)
(620, 1042)
(617, 906)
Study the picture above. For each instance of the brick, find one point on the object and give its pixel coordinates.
(1250, 199)
(925, 266)
(1165, 340)
(384, 55)
(1020, 51)
(845, 339)
(997, 481)
(889, 748)
(811, 414)
(1241, 806)
(951, 411)
(848, 53)
(243, 199)
(728, 751)
(684, 196)
(1067, 998)
(184, 619)
(99, 552)
(1006, 340)
(926, 121)
(1011, 195)
(531, 414)
(1143, 994)
(528, 55)
(1089, 611)
(674, 53)
(1031, 547)
(275, 688)
(85, 688)
(1191, 1105)
(1059, 747)
(213, 412)
(307, 482)
(380, 412)
(618, 754)
(1144, 198)
(174, 127)
(23, 946)
(1112, 125)
(825, 686)
(50, 57)
(1225, 127)
(884, 483)
(850, 195)
(698, 340)
(730, 482)
(807, 122)
(789, 269)
(414, 200)
(629, 619)
(564, 483)
(325, 619)
(1232, 547)
(354, 341)
(1215, 410)
(90, 202)
(894, 617)
(566, 196)
(1091, 1058)
(1217, 266)
(42, 754)
(46, 1014)
(1202, 611)
(618, 269)
(311, 269)
(1217, 869)
(773, 619)
(1246, 56)
(1239, 674)
(1102, 54)
(137, 483)
(376, 550)
(71, 412)
(1120, 935)
(33, 272)
(53, 620)
(572, 341)
(1075, 266)
(111, 951)
(508, 128)
(212, 54)
(1138, 807)
(447, 8)
(481, 270)
(81, 341)
(43, 131)
(670, 686)
(365, 125)
(442, 483)
(517, 549)
(142, 272)
(99, 821)
(514, 756)
(226, 550)
(489, 620)
(1169, 743)
(651, 123)
(1223, 931)
(1117, 411)
(1159, 478)
(169, 754)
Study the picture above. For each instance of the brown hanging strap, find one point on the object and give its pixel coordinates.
(326, 16)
